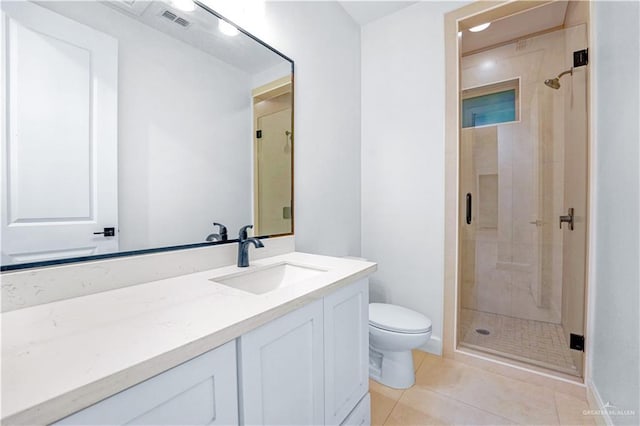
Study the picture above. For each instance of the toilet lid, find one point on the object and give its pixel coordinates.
(396, 318)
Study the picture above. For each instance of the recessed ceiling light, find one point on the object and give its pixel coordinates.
(480, 27)
(226, 28)
(184, 5)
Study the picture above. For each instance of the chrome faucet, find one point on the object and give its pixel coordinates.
(243, 246)
(220, 236)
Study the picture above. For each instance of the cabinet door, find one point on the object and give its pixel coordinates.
(281, 370)
(361, 415)
(202, 391)
(346, 350)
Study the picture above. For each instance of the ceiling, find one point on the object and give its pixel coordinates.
(516, 26)
(364, 12)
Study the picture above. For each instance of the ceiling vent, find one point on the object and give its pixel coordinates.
(169, 15)
(175, 18)
(181, 21)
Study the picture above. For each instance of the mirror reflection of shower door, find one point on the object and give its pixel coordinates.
(522, 278)
(273, 157)
(274, 173)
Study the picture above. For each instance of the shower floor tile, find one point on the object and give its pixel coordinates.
(537, 342)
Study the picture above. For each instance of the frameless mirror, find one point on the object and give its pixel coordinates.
(133, 126)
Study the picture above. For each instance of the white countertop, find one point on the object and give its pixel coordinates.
(63, 356)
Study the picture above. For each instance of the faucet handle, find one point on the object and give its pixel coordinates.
(222, 232)
(242, 235)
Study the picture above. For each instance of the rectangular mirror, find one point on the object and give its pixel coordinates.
(133, 126)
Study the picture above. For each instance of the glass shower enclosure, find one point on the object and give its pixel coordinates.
(523, 200)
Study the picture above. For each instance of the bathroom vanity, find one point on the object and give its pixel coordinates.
(284, 341)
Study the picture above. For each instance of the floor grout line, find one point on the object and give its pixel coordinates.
(555, 405)
(392, 408)
(452, 397)
(552, 415)
(481, 409)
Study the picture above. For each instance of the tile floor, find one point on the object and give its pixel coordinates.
(537, 342)
(453, 393)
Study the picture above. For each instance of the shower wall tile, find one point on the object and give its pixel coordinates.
(486, 258)
(505, 205)
(552, 273)
(495, 297)
(525, 307)
(468, 295)
(485, 149)
(522, 145)
(521, 279)
(522, 253)
(469, 261)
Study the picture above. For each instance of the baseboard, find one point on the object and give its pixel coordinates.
(600, 414)
(433, 346)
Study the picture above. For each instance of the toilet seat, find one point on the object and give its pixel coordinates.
(397, 319)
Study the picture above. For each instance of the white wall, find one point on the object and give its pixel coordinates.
(403, 158)
(614, 343)
(185, 143)
(271, 74)
(325, 44)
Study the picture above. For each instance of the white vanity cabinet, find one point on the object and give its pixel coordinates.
(346, 350)
(309, 367)
(202, 391)
(361, 415)
(281, 370)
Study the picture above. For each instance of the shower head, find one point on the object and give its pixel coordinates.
(554, 83)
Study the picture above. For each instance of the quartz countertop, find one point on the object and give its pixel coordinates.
(64, 356)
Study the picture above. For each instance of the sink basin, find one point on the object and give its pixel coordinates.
(268, 278)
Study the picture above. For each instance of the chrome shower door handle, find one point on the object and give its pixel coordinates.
(567, 219)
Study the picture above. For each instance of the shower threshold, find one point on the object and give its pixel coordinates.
(508, 356)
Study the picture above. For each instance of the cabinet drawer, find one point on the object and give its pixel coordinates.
(202, 391)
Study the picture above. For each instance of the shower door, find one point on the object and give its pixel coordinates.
(523, 165)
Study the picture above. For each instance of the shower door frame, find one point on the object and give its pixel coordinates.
(465, 17)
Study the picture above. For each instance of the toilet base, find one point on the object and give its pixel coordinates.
(392, 369)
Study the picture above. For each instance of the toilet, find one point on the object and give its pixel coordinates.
(393, 332)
